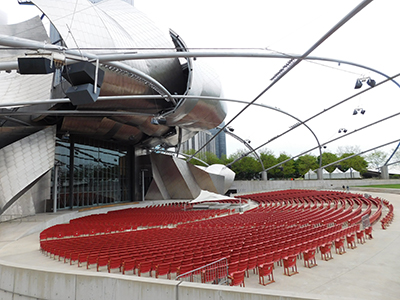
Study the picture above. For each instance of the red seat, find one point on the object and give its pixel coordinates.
(174, 266)
(182, 269)
(102, 261)
(252, 265)
(243, 264)
(309, 258)
(114, 263)
(237, 278)
(91, 260)
(163, 269)
(266, 270)
(128, 265)
(261, 259)
(368, 232)
(289, 262)
(145, 267)
(233, 267)
(351, 241)
(360, 236)
(74, 256)
(326, 253)
(83, 257)
(339, 245)
(276, 256)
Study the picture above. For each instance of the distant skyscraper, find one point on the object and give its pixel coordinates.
(220, 142)
(216, 146)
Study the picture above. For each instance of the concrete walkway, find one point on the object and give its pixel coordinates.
(371, 271)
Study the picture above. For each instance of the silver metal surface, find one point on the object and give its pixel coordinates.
(13, 86)
(87, 30)
(23, 162)
(174, 178)
(110, 27)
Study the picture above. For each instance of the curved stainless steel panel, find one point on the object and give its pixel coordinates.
(201, 114)
(14, 87)
(22, 162)
(116, 27)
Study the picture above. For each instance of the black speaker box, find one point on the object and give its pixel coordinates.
(82, 73)
(82, 94)
(35, 65)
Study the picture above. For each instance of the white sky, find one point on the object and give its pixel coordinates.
(291, 26)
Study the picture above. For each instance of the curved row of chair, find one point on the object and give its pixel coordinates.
(280, 227)
(385, 222)
(215, 243)
(322, 200)
(130, 219)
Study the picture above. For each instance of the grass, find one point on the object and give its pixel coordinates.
(384, 186)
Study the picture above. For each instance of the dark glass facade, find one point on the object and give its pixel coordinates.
(99, 174)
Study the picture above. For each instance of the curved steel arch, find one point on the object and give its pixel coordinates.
(338, 138)
(215, 53)
(260, 55)
(351, 156)
(247, 144)
(17, 42)
(281, 111)
(263, 55)
(327, 109)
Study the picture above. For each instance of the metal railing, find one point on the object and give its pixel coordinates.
(214, 273)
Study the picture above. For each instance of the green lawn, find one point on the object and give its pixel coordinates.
(384, 186)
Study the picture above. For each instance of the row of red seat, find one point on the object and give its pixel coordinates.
(185, 239)
(274, 230)
(130, 219)
(385, 222)
(324, 198)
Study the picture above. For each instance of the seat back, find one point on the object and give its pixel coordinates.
(289, 261)
(238, 278)
(266, 269)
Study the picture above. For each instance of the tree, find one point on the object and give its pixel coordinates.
(208, 157)
(328, 158)
(376, 159)
(347, 149)
(268, 160)
(357, 162)
(194, 161)
(246, 168)
(396, 157)
(304, 163)
(226, 160)
(287, 169)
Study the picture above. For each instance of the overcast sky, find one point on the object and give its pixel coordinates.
(293, 26)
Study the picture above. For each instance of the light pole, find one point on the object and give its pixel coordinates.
(320, 175)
